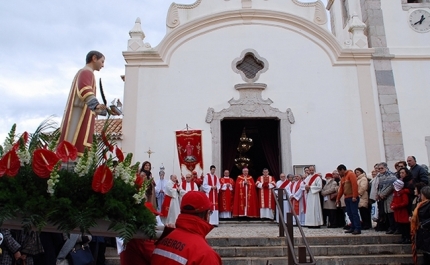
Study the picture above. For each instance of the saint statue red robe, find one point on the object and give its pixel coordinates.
(226, 197)
(245, 197)
(78, 122)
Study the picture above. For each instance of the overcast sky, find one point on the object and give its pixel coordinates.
(43, 44)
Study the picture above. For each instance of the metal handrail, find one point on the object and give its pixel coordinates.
(286, 229)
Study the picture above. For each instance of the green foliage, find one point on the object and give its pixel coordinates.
(72, 203)
(41, 137)
(11, 135)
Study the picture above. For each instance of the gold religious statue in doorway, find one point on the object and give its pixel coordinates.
(245, 144)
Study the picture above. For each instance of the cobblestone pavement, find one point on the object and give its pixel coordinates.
(270, 229)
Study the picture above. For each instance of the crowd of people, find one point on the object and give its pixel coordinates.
(391, 202)
(383, 200)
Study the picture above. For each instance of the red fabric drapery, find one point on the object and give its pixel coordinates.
(189, 144)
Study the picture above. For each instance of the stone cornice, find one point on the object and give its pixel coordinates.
(406, 6)
(161, 54)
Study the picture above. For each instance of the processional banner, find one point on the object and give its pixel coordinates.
(189, 143)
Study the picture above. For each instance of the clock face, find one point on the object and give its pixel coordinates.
(419, 20)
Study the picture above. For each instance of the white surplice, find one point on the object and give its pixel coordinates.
(214, 218)
(313, 216)
(286, 204)
(174, 208)
(296, 191)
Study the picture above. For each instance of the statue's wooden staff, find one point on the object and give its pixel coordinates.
(112, 109)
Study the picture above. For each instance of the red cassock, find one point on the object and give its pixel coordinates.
(265, 196)
(245, 198)
(226, 196)
(213, 194)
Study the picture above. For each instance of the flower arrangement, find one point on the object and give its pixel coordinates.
(39, 185)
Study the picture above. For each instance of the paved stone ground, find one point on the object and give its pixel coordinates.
(270, 229)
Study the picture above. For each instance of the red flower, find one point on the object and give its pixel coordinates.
(44, 162)
(103, 179)
(9, 164)
(139, 181)
(23, 139)
(119, 154)
(67, 151)
(106, 142)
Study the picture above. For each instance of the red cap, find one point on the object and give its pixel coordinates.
(328, 175)
(151, 208)
(194, 172)
(195, 202)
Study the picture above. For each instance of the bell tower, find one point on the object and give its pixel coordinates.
(399, 32)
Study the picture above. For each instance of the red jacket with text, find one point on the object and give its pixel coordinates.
(186, 244)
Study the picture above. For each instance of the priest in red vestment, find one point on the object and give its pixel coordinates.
(226, 195)
(211, 187)
(77, 126)
(245, 196)
(265, 184)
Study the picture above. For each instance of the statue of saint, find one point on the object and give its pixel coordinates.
(78, 122)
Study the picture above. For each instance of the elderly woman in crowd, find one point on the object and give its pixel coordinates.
(329, 191)
(384, 196)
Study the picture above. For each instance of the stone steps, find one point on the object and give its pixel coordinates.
(392, 259)
(333, 250)
(327, 250)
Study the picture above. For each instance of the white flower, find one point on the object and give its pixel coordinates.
(7, 146)
(137, 198)
(24, 156)
(54, 178)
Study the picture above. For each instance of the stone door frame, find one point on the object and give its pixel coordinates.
(251, 105)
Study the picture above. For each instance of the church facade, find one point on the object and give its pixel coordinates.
(345, 82)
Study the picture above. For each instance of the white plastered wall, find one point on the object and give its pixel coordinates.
(324, 98)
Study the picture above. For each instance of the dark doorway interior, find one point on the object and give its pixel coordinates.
(265, 153)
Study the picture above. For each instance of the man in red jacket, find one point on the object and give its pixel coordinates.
(186, 244)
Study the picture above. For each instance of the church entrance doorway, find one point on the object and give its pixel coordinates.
(264, 153)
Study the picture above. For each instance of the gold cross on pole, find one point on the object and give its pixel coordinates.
(149, 152)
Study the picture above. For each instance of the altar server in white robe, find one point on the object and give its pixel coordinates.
(313, 187)
(170, 208)
(283, 184)
(296, 191)
(211, 186)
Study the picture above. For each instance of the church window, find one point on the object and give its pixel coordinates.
(408, 4)
(250, 65)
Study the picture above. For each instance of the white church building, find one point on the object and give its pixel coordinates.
(311, 84)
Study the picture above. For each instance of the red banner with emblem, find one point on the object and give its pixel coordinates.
(189, 144)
